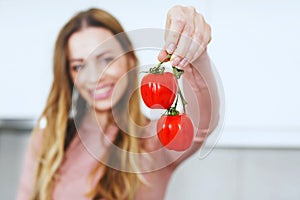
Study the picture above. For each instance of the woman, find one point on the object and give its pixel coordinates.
(63, 159)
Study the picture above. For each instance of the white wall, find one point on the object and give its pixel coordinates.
(256, 49)
(255, 46)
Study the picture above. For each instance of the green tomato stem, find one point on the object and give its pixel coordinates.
(176, 102)
(183, 101)
(164, 60)
(173, 110)
(178, 73)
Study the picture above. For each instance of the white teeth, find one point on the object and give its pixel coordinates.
(102, 90)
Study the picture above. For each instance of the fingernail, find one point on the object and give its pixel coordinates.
(172, 57)
(161, 54)
(176, 61)
(171, 48)
(183, 62)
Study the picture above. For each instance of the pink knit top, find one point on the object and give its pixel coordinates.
(72, 180)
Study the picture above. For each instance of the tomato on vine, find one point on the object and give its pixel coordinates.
(159, 89)
(175, 132)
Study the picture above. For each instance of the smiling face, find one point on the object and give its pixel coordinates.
(95, 72)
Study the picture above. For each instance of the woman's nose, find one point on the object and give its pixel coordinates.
(92, 73)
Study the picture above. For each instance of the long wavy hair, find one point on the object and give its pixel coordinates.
(60, 129)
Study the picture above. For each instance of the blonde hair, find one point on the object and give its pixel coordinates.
(59, 129)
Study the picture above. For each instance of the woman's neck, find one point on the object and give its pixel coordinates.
(98, 118)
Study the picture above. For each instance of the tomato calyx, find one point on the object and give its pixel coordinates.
(159, 69)
(156, 70)
(172, 111)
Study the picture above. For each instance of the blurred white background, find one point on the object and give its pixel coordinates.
(255, 46)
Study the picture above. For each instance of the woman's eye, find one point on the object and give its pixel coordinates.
(107, 60)
(76, 68)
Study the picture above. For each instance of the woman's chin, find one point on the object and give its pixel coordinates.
(102, 107)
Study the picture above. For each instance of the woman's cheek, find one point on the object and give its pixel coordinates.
(72, 74)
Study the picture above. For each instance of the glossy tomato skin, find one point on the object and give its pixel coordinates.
(175, 132)
(158, 91)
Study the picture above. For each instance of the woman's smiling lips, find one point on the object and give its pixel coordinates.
(102, 92)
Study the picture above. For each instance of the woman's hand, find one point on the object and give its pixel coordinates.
(187, 35)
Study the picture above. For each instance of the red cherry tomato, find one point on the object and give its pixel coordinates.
(175, 132)
(159, 90)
